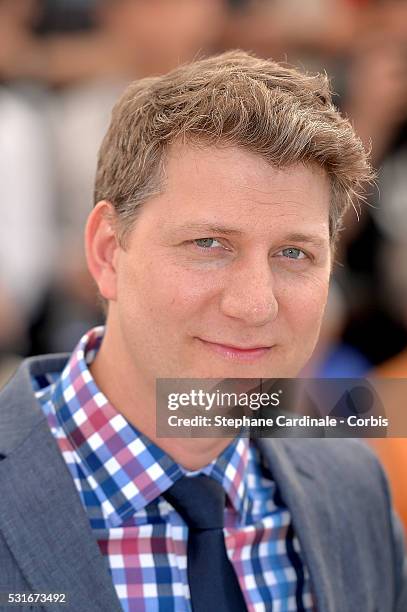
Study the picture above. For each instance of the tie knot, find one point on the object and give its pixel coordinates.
(200, 500)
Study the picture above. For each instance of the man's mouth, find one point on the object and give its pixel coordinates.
(236, 352)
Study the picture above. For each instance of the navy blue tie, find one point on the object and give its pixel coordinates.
(200, 501)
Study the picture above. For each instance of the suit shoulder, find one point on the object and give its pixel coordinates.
(343, 462)
(332, 451)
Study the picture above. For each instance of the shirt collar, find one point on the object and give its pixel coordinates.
(127, 469)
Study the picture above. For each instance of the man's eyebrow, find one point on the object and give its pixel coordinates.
(314, 239)
(207, 228)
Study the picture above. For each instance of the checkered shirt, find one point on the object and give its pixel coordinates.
(120, 476)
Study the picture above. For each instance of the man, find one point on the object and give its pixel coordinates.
(219, 192)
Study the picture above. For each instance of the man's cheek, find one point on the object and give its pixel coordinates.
(305, 321)
(183, 290)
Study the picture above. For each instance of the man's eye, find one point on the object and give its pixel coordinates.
(206, 243)
(293, 253)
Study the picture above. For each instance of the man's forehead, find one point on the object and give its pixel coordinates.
(209, 191)
(238, 169)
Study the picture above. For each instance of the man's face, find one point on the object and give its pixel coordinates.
(225, 274)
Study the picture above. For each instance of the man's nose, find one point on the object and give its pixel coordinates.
(249, 294)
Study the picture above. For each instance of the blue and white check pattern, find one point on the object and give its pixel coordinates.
(120, 476)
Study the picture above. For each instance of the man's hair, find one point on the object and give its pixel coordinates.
(233, 99)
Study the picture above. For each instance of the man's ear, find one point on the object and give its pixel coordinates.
(102, 247)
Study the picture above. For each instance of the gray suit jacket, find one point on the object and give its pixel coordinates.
(335, 490)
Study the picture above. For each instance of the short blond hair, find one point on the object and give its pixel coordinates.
(283, 115)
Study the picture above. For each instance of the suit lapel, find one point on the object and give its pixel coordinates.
(313, 517)
(46, 528)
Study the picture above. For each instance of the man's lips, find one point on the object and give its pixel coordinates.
(231, 351)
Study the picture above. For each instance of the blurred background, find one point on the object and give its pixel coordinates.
(63, 63)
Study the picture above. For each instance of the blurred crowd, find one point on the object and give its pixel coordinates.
(62, 65)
